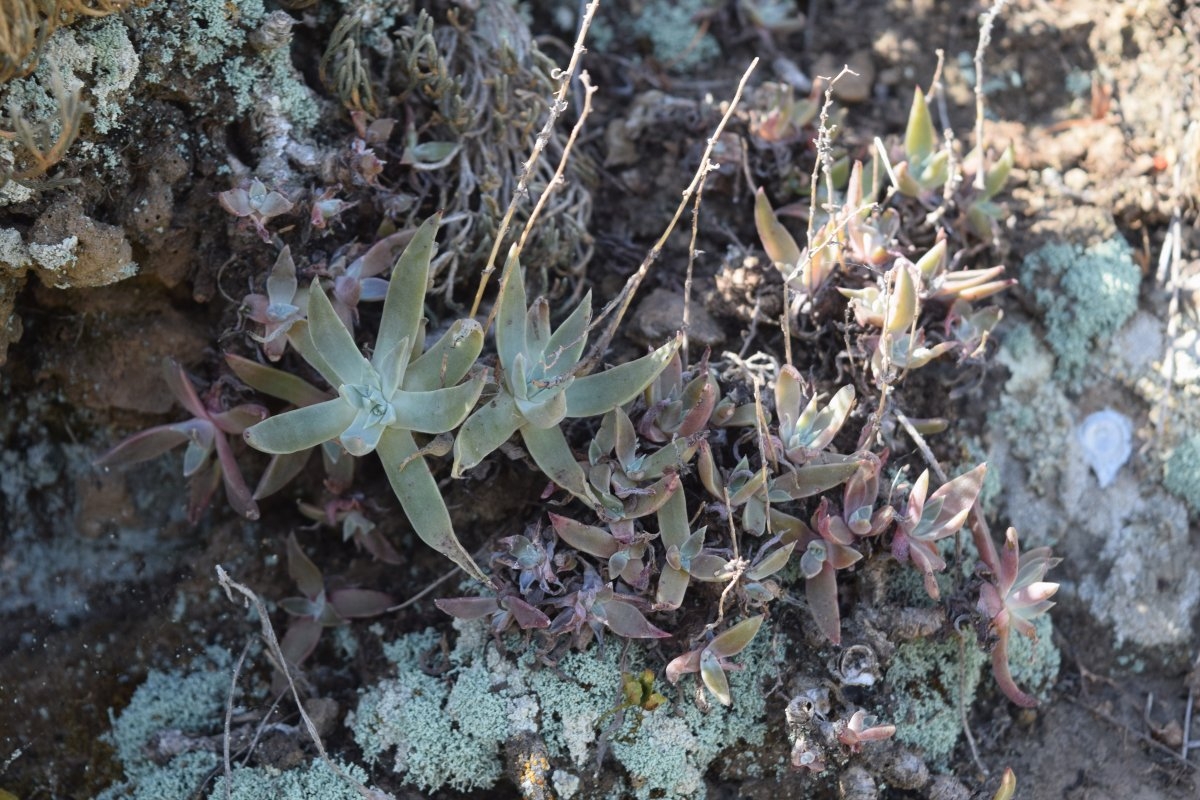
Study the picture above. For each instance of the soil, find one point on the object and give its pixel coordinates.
(1095, 98)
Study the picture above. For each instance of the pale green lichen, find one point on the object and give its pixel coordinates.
(1086, 294)
(316, 781)
(1181, 474)
(674, 34)
(925, 678)
(190, 702)
(449, 729)
(1035, 663)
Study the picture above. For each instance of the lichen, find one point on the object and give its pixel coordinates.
(674, 35)
(449, 729)
(316, 781)
(925, 678)
(1181, 474)
(1086, 295)
(1035, 663)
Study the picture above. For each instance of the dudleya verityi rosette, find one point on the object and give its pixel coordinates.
(383, 401)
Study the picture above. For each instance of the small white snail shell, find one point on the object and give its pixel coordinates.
(1106, 438)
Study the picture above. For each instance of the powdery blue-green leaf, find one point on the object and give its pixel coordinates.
(776, 561)
(821, 592)
(334, 343)
(421, 499)
(281, 470)
(403, 309)
(565, 347)
(593, 395)
(672, 586)
(549, 449)
(812, 479)
(510, 312)
(448, 359)
(624, 619)
(484, 431)
(275, 382)
(301, 428)
(438, 411)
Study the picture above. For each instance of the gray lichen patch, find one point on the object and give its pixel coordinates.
(450, 729)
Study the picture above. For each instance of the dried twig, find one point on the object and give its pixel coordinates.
(985, 39)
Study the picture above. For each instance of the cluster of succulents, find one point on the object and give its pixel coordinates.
(675, 498)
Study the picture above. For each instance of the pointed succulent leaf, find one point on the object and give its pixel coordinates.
(682, 665)
(588, 538)
(919, 134)
(421, 499)
(448, 360)
(437, 411)
(235, 420)
(933, 263)
(144, 446)
(301, 428)
(768, 566)
(281, 471)
(403, 309)
(673, 521)
(275, 382)
(997, 176)
(713, 675)
(624, 619)
(281, 282)
(812, 479)
(956, 496)
(511, 312)
(237, 493)
(780, 246)
(593, 395)
(333, 341)
(672, 586)
(708, 567)
(551, 452)
(358, 603)
(734, 640)
(303, 571)
(300, 640)
(484, 431)
(565, 347)
(902, 300)
(821, 591)
(468, 607)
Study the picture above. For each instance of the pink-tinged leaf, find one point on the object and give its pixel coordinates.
(926, 558)
(300, 607)
(699, 402)
(303, 571)
(1003, 675)
(821, 592)
(957, 497)
(708, 567)
(238, 418)
(468, 607)
(143, 446)
(588, 538)
(382, 255)
(378, 546)
(625, 620)
(713, 676)
(734, 640)
(276, 382)
(300, 640)
(240, 498)
(182, 388)
(353, 603)
(682, 665)
(526, 615)
(201, 488)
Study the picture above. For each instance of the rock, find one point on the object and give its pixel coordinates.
(660, 315)
(71, 250)
(850, 88)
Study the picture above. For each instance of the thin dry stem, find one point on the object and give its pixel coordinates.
(620, 304)
(985, 39)
(268, 633)
(687, 281)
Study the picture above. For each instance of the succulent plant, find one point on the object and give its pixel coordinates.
(932, 517)
(926, 166)
(256, 203)
(205, 434)
(319, 607)
(1015, 596)
(623, 546)
(595, 606)
(280, 308)
(713, 659)
(806, 434)
(538, 386)
(384, 401)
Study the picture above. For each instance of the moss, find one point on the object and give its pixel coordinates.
(1086, 295)
(924, 678)
(1181, 474)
